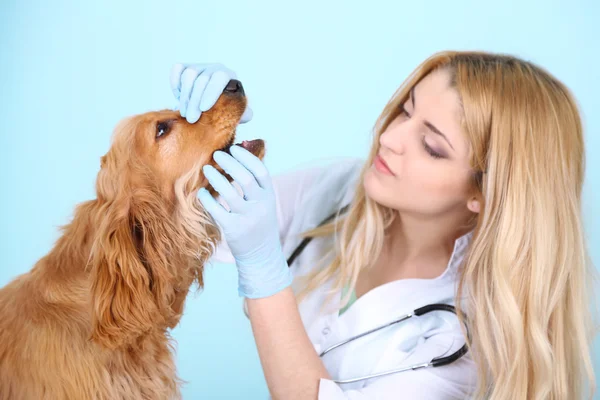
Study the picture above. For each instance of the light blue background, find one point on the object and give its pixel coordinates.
(317, 73)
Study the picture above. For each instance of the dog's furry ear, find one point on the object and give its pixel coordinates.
(131, 266)
(124, 305)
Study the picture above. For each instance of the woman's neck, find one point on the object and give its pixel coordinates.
(416, 247)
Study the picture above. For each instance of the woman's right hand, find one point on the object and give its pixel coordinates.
(197, 87)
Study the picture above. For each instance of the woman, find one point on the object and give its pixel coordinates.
(470, 195)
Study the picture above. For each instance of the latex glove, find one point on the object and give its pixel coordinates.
(197, 87)
(250, 227)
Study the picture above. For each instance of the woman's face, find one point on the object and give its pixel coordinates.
(427, 155)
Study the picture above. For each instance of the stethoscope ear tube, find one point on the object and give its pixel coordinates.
(307, 240)
(439, 361)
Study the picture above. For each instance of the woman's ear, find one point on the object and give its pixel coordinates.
(474, 205)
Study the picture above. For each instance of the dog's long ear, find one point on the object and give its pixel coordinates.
(131, 268)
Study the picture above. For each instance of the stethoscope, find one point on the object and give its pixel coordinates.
(435, 362)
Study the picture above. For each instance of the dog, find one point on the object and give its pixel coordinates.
(91, 319)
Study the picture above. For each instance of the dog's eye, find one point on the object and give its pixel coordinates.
(162, 128)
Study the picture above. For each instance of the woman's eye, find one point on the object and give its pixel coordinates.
(403, 111)
(429, 150)
(162, 128)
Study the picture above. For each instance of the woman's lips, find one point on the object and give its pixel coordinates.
(381, 166)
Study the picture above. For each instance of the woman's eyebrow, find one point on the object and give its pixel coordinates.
(427, 123)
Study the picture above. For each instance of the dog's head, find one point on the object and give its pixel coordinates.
(162, 147)
(153, 236)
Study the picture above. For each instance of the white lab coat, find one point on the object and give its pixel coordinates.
(305, 196)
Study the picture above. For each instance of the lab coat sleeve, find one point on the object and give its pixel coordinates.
(289, 189)
(453, 381)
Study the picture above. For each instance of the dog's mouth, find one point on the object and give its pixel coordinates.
(255, 146)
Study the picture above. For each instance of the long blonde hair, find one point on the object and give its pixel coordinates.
(527, 277)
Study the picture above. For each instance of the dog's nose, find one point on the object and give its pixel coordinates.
(234, 86)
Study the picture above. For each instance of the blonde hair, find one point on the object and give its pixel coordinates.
(527, 274)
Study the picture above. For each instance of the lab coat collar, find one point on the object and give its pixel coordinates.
(401, 296)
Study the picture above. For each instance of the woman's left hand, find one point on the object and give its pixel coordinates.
(250, 227)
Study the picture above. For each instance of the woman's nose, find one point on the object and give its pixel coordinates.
(393, 141)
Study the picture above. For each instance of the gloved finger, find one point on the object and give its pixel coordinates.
(193, 110)
(214, 208)
(188, 77)
(218, 81)
(240, 174)
(254, 165)
(175, 78)
(247, 115)
(223, 187)
(177, 70)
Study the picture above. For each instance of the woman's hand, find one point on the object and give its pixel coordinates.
(250, 227)
(292, 368)
(197, 87)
